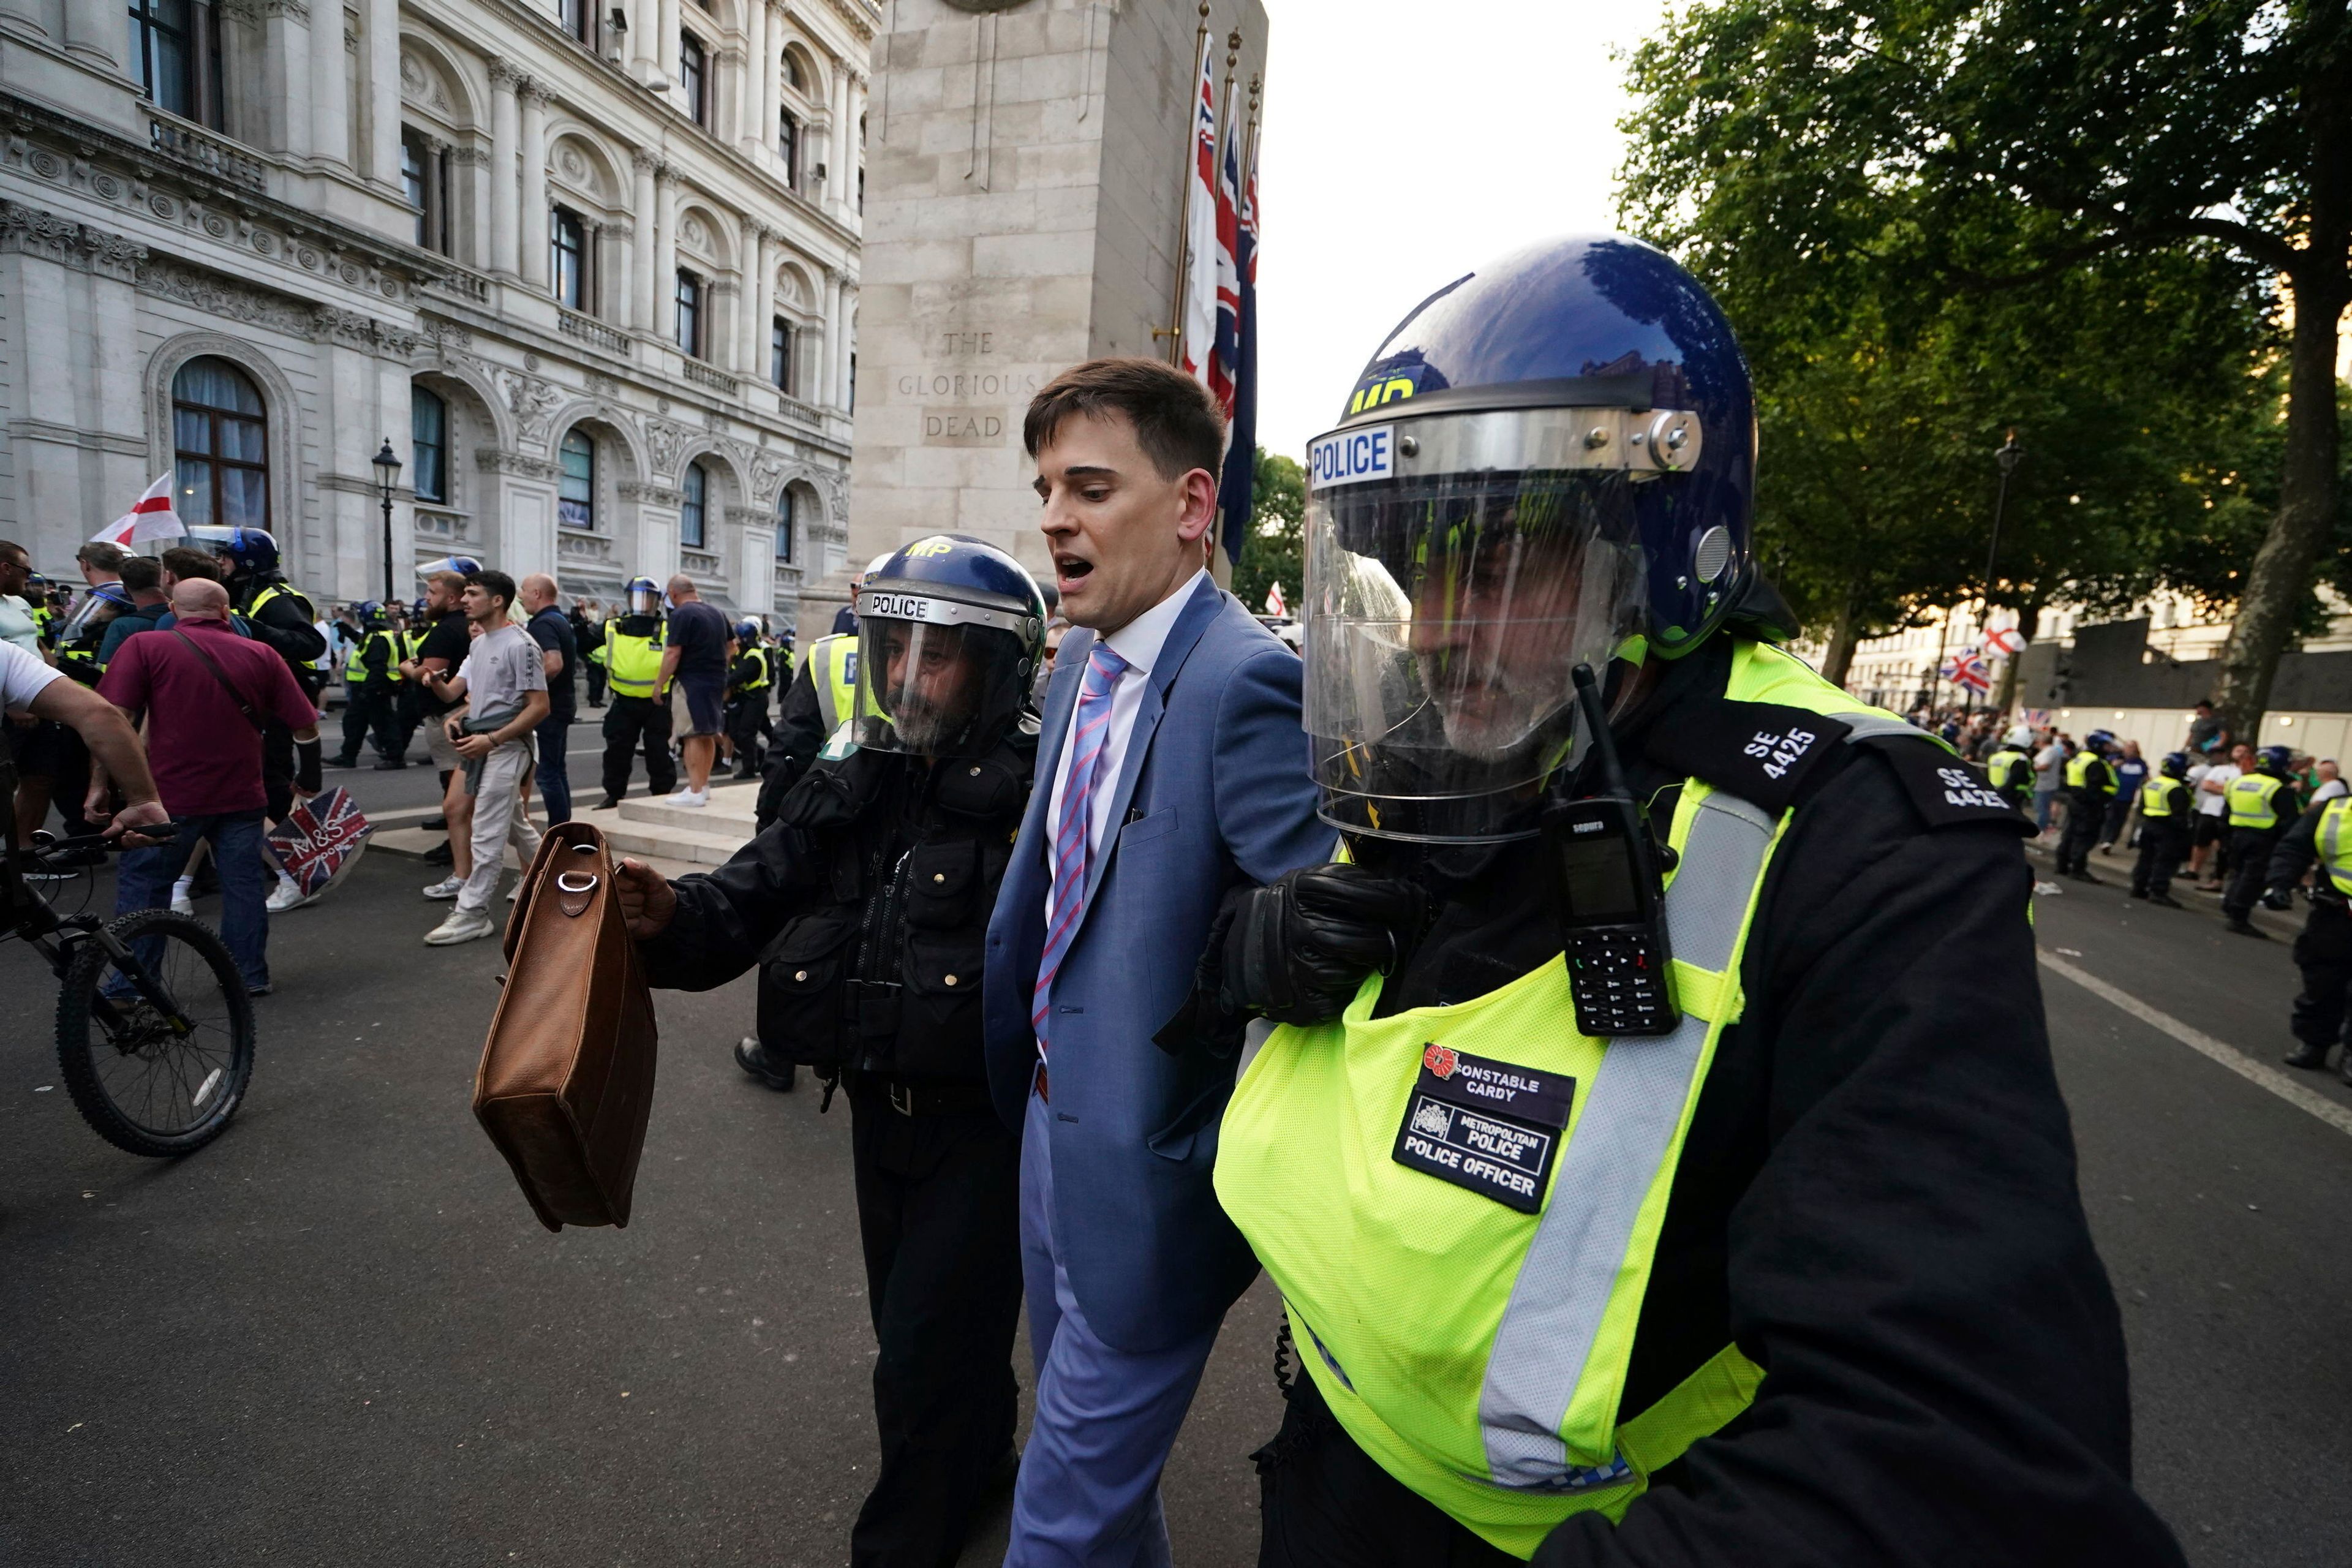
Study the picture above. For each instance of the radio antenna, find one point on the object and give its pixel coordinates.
(1604, 745)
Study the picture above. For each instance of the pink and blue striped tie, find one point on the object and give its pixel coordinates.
(1073, 851)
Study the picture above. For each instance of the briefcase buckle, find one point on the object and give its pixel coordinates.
(902, 1098)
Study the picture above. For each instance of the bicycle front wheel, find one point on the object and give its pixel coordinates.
(159, 1071)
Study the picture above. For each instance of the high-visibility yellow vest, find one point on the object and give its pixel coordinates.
(2078, 772)
(2333, 839)
(834, 673)
(2249, 797)
(759, 658)
(355, 670)
(2157, 799)
(281, 590)
(1478, 1353)
(1999, 768)
(633, 663)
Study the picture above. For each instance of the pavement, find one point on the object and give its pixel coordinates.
(337, 1336)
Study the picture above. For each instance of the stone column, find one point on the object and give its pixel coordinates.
(752, 101)
(857, 147)
(94, 32)
(849, 343)
(27, 18)
(286, 79)
(621, 298)
(379, 41)
(331, 108)
(829, 355)
(504, 146)
(643, 50)
(667, 42)
(664, 278)
(758, 304)
(640, 307)
(534, 185)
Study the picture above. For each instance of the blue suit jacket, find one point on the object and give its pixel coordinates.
(1214, 790)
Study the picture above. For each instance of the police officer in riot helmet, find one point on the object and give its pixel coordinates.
(865, 906)
(1643, 1172)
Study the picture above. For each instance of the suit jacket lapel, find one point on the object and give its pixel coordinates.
(1206, 604)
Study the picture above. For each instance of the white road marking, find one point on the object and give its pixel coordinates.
(2205, 1044)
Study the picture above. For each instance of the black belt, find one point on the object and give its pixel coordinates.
(934, 1099)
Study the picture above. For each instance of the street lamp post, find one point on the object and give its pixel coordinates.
(387, 474)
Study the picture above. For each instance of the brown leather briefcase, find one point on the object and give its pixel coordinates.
(567, 1074)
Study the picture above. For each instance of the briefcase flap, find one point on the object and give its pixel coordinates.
(566, 1078)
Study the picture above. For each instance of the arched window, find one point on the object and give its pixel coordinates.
(690, 513)
(792, 78)
(428, 440)
(788, 144)
(784, 526)
(575, 505)
(779, 354)
(220, 446)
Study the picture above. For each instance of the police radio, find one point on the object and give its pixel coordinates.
(1608, 892)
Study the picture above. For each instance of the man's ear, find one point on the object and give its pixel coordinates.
(1200, 508)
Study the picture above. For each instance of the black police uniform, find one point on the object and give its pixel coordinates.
(2086, 815)
(866, 908)
(749, 688)
(284, 623)
(2322, 952)
(634, 723)
(2250, 854)
(799, 736)
(2163, 840)
(1876, 1200)
(371, 704)
(587, 634)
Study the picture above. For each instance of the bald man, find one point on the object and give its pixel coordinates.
(695, 659)
(558, 655)
(206, 694)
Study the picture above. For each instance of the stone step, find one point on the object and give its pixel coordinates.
(654, 840)
(729, 811)
(412, 842)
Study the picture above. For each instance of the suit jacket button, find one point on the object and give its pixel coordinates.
(952, 979)
(799, 974)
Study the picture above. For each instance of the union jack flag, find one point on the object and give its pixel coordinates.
(321, 840)
(1967, 669)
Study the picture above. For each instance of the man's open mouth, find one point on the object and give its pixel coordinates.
(1070, 568)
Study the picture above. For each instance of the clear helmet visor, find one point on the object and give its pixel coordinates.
(935, 690)
(1445, 617)
(644, 601)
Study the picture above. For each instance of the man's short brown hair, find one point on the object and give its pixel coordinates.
(100, 554)
(184, 561)
(455, 581)
(140, 574)
(1176, 421)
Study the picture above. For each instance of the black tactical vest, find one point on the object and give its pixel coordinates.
(882, 974)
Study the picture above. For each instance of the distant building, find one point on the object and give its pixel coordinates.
(591, 266)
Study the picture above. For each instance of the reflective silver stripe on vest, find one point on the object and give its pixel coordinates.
(1865, 725)
(2331, 836)
(1631, 1113)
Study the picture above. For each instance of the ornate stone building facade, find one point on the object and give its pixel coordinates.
(591, 266)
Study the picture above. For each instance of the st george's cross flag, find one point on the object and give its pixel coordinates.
(1199, 319)
(149, 517)
(1274, 602)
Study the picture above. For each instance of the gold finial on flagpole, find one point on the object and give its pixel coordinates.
(1174, 332)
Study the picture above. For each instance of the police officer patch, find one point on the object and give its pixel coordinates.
(1488, 1126)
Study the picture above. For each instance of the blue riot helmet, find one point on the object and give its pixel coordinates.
(370, 614)
(1548, 463)
(2099, 743)
(2174, 765)
(747, 632)
(249, 552)
(463, 565)
(2275, 760)
(949, 630)
(645, 597)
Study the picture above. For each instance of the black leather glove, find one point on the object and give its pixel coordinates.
(2279, 898)
(1298, 951)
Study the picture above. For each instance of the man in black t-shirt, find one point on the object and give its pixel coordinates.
(447, 643)
(559, 654)
(697, 659)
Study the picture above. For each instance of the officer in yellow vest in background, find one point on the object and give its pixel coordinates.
(2324, 951)
(638, 714)
(2261, 807)
(2090, 784)
(750, 685)
(371, 683)
(1659, 1157)
(815, 705)
(2167, 811)
(2011, 769)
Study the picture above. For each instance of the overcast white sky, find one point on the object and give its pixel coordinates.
(1404, 145)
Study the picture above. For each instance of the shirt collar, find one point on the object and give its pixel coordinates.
(1139, 641)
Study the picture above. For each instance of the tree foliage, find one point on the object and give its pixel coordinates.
(1934, 220)
(1273, 549)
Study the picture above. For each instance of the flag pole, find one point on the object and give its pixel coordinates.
(1232, 58)
(1175, 334)
(1249, 143)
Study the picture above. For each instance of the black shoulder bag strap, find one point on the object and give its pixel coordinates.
(252, 715)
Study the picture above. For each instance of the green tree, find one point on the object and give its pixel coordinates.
(1916, 149)
(1273, 549)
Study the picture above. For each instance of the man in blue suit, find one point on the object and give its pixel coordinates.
(1171, 774)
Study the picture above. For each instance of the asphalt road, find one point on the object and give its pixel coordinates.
(338, 1337)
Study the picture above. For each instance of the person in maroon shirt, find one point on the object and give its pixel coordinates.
(206, 693)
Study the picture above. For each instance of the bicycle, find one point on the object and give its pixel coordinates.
(154, 1025)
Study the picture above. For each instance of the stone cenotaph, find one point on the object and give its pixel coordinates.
(1024, 185)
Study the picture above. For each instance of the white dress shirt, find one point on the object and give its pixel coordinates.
(1138, 642)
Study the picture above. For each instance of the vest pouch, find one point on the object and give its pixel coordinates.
(802, 987)
(938, 1035)
(939, 885)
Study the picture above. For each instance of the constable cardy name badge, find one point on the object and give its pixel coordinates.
(1488, 1126)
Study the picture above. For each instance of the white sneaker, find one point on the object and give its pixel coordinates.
(463, 925)
(514, 894)
(288, 896)
(447, 887)
(694, 797)
(183, 905)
